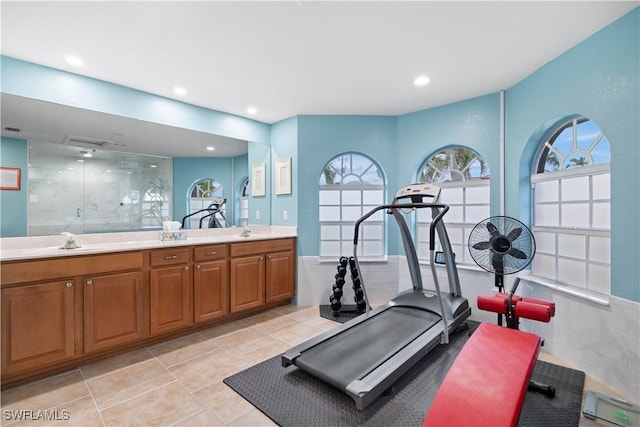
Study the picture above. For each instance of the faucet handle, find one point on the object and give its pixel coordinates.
(71, 241)
(70, 236)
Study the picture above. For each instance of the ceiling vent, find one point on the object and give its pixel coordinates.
(81, 141)
(11, 129)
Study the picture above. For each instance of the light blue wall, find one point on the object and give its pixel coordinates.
(284, 144)
(320, 138)
(474, 123)
(598, 79)
(13, 204)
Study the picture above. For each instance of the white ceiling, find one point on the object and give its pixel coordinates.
(305, 57)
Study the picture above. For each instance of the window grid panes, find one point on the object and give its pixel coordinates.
(571, 208)
(464, 179)
(350, 186)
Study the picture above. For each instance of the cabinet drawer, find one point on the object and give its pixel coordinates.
(47, 269)
(169, 256)
(261, 247)
(211, 252)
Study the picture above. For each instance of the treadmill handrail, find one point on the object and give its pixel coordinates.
(432, 227)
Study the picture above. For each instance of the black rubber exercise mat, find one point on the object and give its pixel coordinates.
(291, 397)
(347, 312)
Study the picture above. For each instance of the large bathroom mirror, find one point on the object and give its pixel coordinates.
(94, 172)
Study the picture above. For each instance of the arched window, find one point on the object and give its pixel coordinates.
(351, 185)
(571, 206)
(202, 193)
(463, 176)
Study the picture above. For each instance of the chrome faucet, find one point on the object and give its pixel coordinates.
(246, 232)
(71, 241)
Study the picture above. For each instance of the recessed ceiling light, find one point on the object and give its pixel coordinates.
(252, 110)
(178, 90)
(210, 148)
(153, 166)
(421, 80)
(76, 61)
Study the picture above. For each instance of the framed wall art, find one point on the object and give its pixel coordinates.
(283, 176)
(258, 186)
(9, 178)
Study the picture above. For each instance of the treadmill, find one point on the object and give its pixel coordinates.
(366, 355)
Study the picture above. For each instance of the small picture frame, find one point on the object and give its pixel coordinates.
(283, 176)
(258, 186)
(9, 178)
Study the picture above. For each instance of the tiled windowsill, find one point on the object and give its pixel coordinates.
(585, 294)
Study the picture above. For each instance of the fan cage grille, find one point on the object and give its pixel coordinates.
(504, 225)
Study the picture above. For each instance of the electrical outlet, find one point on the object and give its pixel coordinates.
(257, 214)
(285, 215)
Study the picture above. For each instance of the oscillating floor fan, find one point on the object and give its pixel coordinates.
(501, 245)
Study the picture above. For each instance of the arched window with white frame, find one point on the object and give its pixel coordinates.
(464, 178)
(351, 184)
(571, 207)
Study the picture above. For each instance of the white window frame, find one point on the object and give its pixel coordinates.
(460, 207)
(337, 232)
(570, 252)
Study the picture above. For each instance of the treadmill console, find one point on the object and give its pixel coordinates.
(417, 192)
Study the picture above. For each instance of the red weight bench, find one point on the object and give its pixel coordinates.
(487, 382)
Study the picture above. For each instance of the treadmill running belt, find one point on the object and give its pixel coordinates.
(352, 354)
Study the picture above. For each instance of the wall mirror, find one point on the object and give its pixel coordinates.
(140, 187)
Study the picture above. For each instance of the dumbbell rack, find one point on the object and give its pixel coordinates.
(336, 295)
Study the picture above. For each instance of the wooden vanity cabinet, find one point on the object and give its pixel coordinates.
(113, 310)
(247, 282)
(38, 326)
(280, 275)
(61, 311)
(210, 282)
(57, 309)
(262, 272)
(170, 293)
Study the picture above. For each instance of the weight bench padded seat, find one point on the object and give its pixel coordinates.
(487, 382)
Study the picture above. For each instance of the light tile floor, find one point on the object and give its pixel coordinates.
(175, 383)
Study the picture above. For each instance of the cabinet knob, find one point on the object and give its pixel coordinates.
(198, 266)
(69, 284)
(261, 258)
(89, 282)
(186, 268)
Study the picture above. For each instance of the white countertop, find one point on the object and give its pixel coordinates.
(23, 248)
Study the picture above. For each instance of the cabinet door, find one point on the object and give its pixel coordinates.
(210, 290)
(170, 294)
(280, 276)
(37, 325)
(247, 283)
(113, 310)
